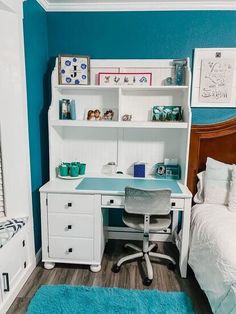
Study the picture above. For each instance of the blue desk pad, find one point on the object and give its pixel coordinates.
(118, 185)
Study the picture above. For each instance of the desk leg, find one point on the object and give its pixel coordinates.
(175, 220)
(184, 248)
(95, 268)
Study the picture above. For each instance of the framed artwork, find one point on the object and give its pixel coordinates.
(74, 70)
(167, 113)
(214, 78)
(121, 79)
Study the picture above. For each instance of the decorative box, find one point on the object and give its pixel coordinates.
(139, 170)
(168, 171)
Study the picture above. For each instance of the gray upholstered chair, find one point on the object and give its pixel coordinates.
(146, 210)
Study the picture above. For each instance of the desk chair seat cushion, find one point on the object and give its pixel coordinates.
(136, 222)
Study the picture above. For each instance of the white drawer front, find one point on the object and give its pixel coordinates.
(69, 225)
(70, 203)
(71, 248)
(120, 201)
(177, 203)
(113, 200)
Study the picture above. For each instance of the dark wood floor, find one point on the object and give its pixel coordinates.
(128, 277)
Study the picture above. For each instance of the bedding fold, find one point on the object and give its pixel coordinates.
(212, 254)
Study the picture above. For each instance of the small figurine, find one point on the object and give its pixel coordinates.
(108, 115)
(168, 81)
(90, 115)
(127, 117)
(97, 114)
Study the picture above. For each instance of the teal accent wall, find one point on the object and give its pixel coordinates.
(134, 35)
(113, 35)
(36, 56)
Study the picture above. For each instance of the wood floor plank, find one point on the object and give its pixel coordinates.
(130, 277)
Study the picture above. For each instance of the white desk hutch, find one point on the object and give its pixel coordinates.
(98, 142)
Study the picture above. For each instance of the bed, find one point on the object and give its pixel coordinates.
(212, 254)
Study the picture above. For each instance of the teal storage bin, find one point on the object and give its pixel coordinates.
(168, 171)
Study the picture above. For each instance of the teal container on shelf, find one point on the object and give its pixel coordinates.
(168, 171)
(63, 170)
(82, 169)
(74, 170)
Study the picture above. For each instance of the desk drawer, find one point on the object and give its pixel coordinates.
(69, 225)
(120, 201)
(71, 248)
(113, 200)
(177, 203)
(70, 203)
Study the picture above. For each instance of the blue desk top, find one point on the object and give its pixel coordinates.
(118, 185)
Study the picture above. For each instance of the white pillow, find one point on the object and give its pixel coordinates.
(232, 192)
(217, 182)
(199, 196)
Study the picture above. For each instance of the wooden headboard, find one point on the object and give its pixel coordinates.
(213, 140)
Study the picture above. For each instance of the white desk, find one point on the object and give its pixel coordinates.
(72, 217)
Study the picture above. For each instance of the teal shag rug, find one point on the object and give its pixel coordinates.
(64, 299)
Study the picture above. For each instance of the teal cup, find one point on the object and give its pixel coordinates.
(74, 170)
(68, 164)
(82, 169)
(63, 170)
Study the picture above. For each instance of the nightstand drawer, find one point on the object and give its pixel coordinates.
(70, 203)
(69, 225)
(177, 203)
(113, 200)
(71, 248)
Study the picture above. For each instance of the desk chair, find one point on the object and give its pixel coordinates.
(146, 210)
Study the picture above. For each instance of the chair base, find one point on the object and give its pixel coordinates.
(146, 255)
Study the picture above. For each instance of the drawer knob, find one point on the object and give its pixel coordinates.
(70, 250)
(111, 201)
(69, 227)
(69, 204)
(173, 204)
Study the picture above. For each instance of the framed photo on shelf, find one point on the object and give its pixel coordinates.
(123, 79)
(73, 70)
(167, 113)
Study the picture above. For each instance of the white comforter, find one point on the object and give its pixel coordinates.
(213, 255)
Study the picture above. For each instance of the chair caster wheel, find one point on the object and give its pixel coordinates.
(171, 266)
(147, 281)
(115, 268)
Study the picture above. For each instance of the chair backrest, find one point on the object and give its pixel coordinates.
(147, 202)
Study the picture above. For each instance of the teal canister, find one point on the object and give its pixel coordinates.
(74, 170)
(82, 169)
(63, 170)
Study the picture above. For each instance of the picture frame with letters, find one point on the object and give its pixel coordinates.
(73, 70)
